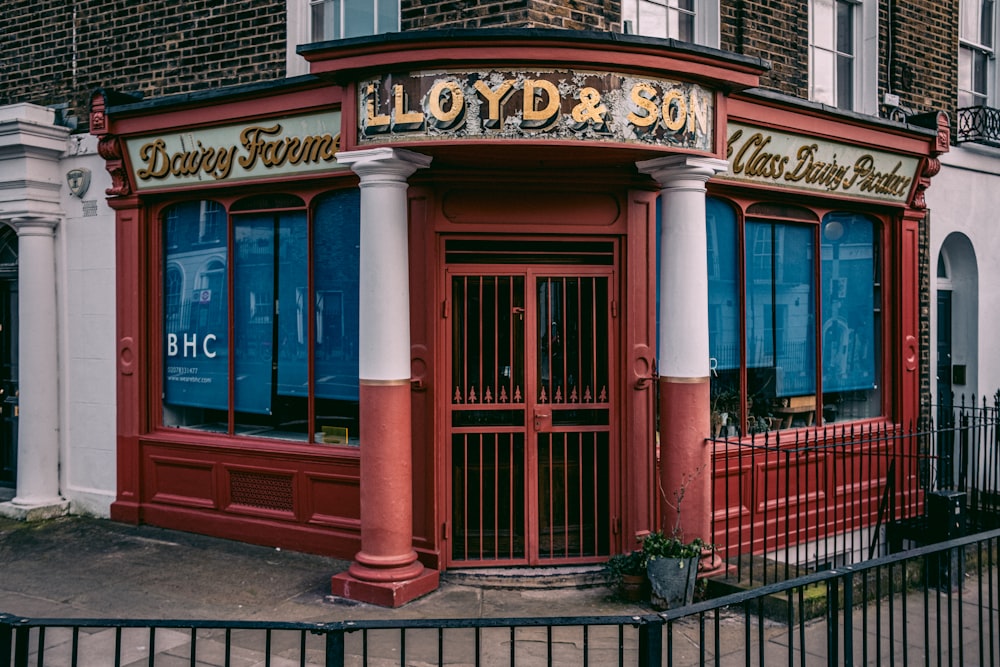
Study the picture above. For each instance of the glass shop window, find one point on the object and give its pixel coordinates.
(250, 347)
(794, 333)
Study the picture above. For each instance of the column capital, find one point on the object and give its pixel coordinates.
(35, 226)
(682, 170)
(383, 164)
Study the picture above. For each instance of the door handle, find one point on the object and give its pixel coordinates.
(543, 420)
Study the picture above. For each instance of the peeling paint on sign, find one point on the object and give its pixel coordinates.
(550, 104)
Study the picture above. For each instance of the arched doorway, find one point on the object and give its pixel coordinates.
(957, 315)
(8, 360)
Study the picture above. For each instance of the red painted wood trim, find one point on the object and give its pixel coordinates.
(908, 290)
(131, 323)
(427, 517)
(200, 112)
(818, 123)
(638, 470)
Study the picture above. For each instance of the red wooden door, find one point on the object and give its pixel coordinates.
(531, 416)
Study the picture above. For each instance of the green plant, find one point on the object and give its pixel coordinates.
(622, 565)
(658, 545)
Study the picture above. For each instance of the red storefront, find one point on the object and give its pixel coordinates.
(404, 311)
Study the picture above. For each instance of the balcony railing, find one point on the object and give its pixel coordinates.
(980, 125)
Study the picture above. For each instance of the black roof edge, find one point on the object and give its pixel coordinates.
(791, 100)
(119, 104)
(575, 36)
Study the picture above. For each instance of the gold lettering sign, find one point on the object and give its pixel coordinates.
(762, 155)
(293, 145)
(517, 105)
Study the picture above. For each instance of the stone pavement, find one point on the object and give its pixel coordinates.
(78, 567)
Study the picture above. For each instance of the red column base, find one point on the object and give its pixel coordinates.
(711, 565)
(385, 593)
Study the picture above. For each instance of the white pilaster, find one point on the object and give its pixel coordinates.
(683, 343)
(31, 147)
(384, 318)
(38, 424)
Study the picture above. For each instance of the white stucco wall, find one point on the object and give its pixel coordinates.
(85, 257)
(964, 198)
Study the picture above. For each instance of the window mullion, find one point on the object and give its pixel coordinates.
(230, 322)
(310, 327)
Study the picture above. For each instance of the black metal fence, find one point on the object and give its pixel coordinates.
(935, 605)
(792, 502)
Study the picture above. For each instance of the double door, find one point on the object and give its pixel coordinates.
(531, 417)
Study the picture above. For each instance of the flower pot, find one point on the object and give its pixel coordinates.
(672, 581)
(632, 586)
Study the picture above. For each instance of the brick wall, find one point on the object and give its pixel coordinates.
(601, 15)
(53, 52)
(918, 46)
(923, 61)
(777, 30)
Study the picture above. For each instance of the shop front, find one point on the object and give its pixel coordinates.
(405, 311)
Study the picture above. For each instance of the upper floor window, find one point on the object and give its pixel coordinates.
(843, 56)
(975, 53)
(323, 20)
(695, 21)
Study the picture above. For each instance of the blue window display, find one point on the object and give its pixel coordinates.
(196, 311)
(276, 327)
(772, 299)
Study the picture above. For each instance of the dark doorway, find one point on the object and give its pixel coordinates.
(8, 358)
(945, 414)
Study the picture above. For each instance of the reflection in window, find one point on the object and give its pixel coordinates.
(851, 318)
(672, 19)
(783, 312)
(832, 52)
(276, 328)
(975, 53)
(338, 19)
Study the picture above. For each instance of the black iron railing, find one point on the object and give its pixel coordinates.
(931, 605)
(791, 502)
(979, 125)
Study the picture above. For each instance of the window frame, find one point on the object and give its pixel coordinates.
(977, 45)
(864, 42)
(298, 30)
(161, 265)
(745, 212)
(706, 20)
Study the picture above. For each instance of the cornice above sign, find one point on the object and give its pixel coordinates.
(266, 148)
(541, 105)
(768, 157)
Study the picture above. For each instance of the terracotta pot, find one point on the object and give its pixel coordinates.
(632, 587)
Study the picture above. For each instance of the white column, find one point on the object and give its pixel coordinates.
(384, 345)
(685, 460)
(386, 570)
(37, 493)
(683, 343)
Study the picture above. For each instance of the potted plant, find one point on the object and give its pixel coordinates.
(672, 568)
(626, 575)
(672, 562)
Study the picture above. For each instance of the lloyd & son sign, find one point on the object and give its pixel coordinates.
(519, 105)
